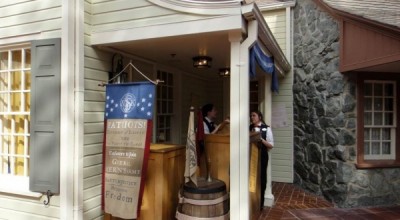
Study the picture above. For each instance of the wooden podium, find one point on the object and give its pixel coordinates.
(217, 148)
(217, 154)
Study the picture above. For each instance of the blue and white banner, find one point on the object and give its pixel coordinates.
(257, 56)
(128, 117)
(130, 100)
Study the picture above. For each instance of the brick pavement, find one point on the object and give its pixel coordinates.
(291, 202)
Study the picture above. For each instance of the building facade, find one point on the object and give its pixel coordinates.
(56, 54)
(346, 61)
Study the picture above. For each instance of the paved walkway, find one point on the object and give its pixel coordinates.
(291, 202)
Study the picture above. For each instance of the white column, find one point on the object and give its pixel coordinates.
(67, 107)
(235, 203)
(269, 198)
(78, 116)
(239, 137)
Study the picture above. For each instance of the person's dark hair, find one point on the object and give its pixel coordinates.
(206, 108)
(259, 115)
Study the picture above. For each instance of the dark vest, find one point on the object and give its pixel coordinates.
(210, 125)
(263, 133)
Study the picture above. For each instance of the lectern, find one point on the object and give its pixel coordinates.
(217, 148)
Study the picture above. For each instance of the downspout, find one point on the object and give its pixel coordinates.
(67, 145)
(79, 109)
(289, 48)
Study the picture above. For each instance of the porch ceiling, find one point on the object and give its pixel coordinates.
(178, 51)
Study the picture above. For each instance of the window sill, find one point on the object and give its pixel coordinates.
(18, 186)
(23, 193)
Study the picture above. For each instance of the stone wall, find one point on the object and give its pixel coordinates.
(325, 119)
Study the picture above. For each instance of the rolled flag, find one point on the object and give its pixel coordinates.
(191, 155)
(199, 136)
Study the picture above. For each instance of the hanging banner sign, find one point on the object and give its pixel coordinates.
(257, 56)
(126, 147)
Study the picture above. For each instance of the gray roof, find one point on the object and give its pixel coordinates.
(382, 11)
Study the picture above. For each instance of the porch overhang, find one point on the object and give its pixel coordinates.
(366, 44)
(174, 44)
(266, 38)
(368, 49)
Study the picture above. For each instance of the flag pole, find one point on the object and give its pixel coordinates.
(191, 154)
(208, 164)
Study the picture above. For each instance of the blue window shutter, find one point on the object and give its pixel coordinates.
(44, 172)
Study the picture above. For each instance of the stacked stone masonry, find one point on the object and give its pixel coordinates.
(325, 119)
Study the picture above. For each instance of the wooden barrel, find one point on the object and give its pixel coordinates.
(207, 200)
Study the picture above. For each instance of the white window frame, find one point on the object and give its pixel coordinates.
(161, 138)
(11, 183)
(393, 127)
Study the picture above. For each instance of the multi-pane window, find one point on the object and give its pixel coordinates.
(15, 84)
(165, 100)
(379, 120)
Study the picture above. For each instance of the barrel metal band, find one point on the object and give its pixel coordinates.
(181, 216)
(202, 202)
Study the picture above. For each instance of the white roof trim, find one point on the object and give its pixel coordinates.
(265, 6)
(203, 7)
(233, 22)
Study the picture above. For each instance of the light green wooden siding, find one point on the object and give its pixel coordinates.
(96, 72)
(282, 154)
(22, 18)
(276, 21)
(123, 14)
(96, 66)
(27, 209)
